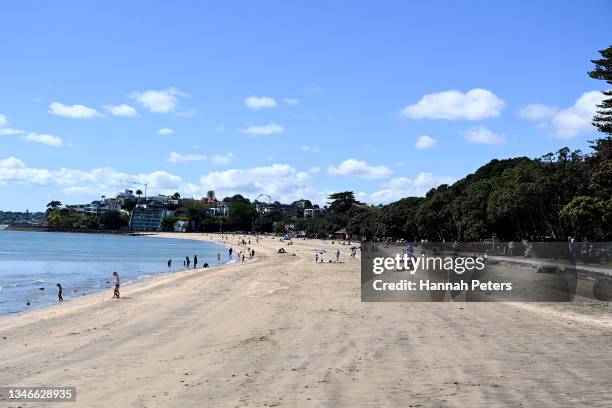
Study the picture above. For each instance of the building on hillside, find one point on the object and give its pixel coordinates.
(97, 207)
(312, 212)
(209, 200)
(148, 217)
(126, 195)
(221, 209)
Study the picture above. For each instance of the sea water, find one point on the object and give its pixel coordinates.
(32, 263)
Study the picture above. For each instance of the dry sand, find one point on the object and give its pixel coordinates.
(281, 330)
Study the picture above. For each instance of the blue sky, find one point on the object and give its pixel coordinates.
(291, 99)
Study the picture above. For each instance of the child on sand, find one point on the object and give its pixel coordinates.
(117, 284)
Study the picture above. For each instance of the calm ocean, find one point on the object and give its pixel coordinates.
(83, 263)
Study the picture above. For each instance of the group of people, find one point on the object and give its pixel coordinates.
(186, 264)
(319, 256)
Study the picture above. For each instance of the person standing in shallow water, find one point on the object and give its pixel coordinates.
(169, 263)
(59, 293)
(117, 284)
(195, 261)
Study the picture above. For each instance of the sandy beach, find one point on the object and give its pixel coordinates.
(280, 330)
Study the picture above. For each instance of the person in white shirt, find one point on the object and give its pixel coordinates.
(117, 284)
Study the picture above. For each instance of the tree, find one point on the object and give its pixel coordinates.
(238, 198)
(129, 204)
(52, 206)
(241, 216)
(210, 195)
(585, 215)
(603, 71)
(396, 220)
(139, 193)
(110, 220)
(342, 202)
(194, 211)
(176, 196)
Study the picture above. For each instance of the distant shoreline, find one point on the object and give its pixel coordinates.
(41, 228)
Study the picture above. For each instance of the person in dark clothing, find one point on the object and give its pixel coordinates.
(59, 293)
(230, 252)
(169, 263)
(195, 261)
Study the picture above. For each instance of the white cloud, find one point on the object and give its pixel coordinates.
(482, 135)
(358, 168)
(90, 183)
(165, 131)
(538, 112)
(269, 129)
(474, 105)
(569, 122)
(425, 142)
(313, 89)
(282, 181)
(259, 102)
(401, 187)
(121, 110)
(73, 111)
(10, 131)
(3, 120)
(314, 170)
(159, 101)
(223, 159)
(219, 128)
(181, 158)
(50, 140)
(291, 101)
(310, 149)
(11, 162)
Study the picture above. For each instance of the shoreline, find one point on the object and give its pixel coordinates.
(141, 279)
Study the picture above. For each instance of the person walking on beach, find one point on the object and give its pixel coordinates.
(337, 255)
(218, 256)
(252, 253)
(117, 284)
(195, 261)
(187, 261)
(59, 293)
(230, 252)
(572, 250)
